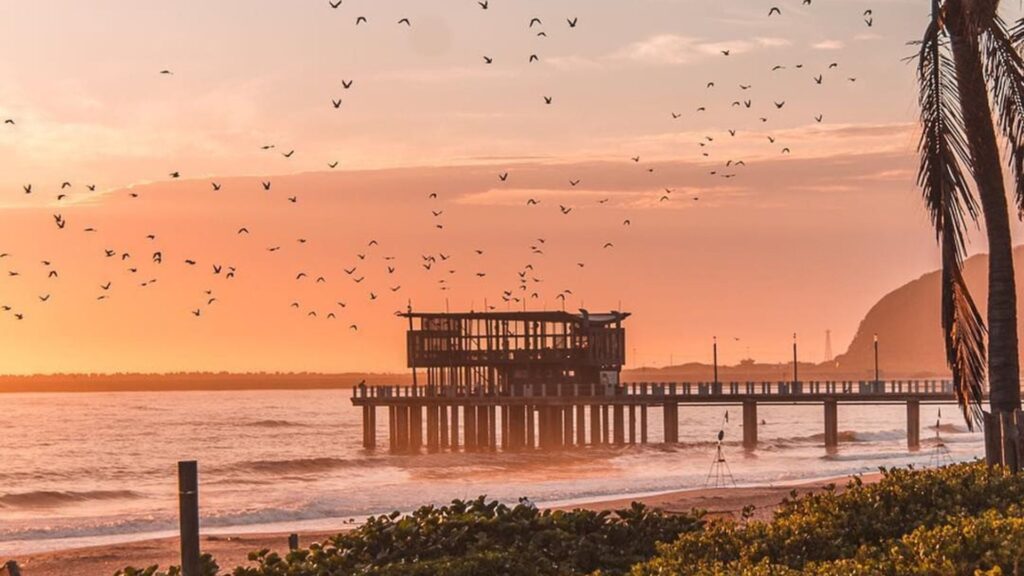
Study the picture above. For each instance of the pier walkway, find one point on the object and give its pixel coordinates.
(560, 416)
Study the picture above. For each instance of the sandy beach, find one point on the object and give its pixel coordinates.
(233, 550)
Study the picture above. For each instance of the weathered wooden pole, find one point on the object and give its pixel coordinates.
(619, 433)
(643, 423)
(293, 541)
(749, 424)
(913, 424)
(831, 424)
(188, 516)
(581, 425)
(12, 568)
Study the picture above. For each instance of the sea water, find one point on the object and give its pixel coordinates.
(96, 468)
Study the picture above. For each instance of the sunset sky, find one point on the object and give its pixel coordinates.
(804, 241)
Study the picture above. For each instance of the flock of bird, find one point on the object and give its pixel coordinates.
(752, 111)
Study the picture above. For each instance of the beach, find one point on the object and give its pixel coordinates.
(233, 550)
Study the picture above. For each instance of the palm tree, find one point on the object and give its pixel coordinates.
(967, 56)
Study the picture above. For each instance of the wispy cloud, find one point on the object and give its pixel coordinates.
(828, 45)
(672, 49)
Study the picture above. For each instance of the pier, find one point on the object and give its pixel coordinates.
(578, 415)
(551, 380)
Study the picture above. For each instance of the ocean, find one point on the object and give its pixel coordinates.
(88, 469)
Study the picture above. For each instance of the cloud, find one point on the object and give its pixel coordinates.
(769, 42)
(828, 45)
(671, 49)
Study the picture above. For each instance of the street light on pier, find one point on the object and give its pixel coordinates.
(877, 380)
(714, 351)
(796, 373)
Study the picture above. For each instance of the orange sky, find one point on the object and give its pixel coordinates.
(803, 242)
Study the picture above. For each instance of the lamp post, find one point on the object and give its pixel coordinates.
(877, 380)
(714, 351)
(796, 373)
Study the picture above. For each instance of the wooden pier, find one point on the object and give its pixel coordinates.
(551, 380)
(559, 417)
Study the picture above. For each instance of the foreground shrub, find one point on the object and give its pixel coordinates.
(954, 520)
(481, 537)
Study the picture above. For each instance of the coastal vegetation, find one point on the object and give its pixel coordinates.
(960, 519)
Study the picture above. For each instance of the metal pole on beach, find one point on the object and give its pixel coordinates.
(188, 510)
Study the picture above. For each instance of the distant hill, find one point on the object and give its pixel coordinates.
(908, 323)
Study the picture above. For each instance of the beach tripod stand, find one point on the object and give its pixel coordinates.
(940, 453)
(719, 475)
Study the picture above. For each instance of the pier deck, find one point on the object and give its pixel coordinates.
(559, 416)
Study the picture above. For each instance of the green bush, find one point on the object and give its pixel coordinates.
(956, 520)
(481, 537)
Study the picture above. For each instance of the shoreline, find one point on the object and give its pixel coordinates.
(231, 549)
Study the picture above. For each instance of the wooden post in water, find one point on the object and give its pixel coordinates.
(531, 428)
(632, 423)
(293, 542)
(913, 424)
(443, 413)
(831, 424)
(492, 432)
(749, 424)
(415, 427)
(455, 426)
(606, 425)
(671, 415)
(581, 425)
(595, 424)
(567, 431)
(470, 427)
(188, 516)
(620, 424)
(12, 568)
(643, 423)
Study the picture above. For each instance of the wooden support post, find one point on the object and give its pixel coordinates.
(531, 428)
(442, 411)
(482, 428)
(12, 568)
(606, 437)
(671, 416)
(618, 413)
(913, 424)
(492, 433)
(581, 425)
(632, 423)
(643, 423)
(504, 427)
(831, 424)
(595, 424)
(433, 428)
(455, 427)
(567, 435)
(470, 427)
(188, 516)
(392, 428)
(293, 541)
(415, 427)
(749, 424)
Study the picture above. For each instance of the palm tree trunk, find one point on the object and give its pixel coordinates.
(1003, 360)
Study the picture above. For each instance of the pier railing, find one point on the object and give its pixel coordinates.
(741, 390)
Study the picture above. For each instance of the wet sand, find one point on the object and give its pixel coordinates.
(233, 550)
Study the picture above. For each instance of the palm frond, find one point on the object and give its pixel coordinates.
(1005, 71)
(950, 203)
